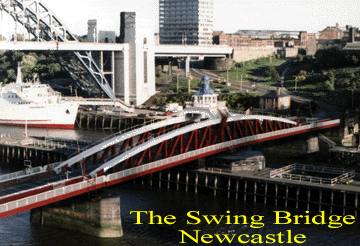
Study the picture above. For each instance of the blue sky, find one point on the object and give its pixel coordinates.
(229, 15)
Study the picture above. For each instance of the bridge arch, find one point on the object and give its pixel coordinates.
(223, 133)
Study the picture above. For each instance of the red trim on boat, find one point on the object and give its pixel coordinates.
(62, 126)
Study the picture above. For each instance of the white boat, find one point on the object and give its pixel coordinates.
(35, 104)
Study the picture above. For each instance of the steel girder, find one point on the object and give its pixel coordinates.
(193, 139)
(119, 148)
(44, 25)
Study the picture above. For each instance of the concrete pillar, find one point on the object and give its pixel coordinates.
(313, 144)
(97, 217)
(122, 77)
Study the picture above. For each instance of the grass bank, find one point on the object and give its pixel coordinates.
(253, 69)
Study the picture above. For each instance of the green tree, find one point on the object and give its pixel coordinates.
(271, 72)
(330, 58)
(329, 85)
(354, 59)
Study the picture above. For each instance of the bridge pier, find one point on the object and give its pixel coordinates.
(99, 216)
(305, 144)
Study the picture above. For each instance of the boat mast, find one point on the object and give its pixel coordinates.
(19, 75)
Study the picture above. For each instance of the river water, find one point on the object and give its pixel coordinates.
(17, 230)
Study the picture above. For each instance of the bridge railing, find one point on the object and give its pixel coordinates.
(306, 178)
(22, 173)
(181, 124)
(285, 173)
(278, 172)
(115, 135)
(48, 195)
(260, 112)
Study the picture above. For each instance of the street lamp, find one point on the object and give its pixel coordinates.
(177, 83)
(184, 38)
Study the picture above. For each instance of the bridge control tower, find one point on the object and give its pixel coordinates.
(139, 34)
(205, 103)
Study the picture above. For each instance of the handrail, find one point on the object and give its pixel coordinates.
(34, 170)
(285, 173)
(114, 135)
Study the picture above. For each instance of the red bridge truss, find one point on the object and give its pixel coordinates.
(151, 148)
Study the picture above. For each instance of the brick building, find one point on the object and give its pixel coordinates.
(337, 36)
(331, 32)
(239, 40)
(248, 40)
(275, 100)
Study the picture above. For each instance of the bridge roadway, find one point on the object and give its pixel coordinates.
(62, 46)
(160, 50)
(192, 50)
(145, 150)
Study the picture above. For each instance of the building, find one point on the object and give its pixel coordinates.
(308, 42)
(337, 36)
(188, 22)
(331, 32)
(232, 40)
(275, 100)
(107, 37)
(250, 38)
(139, 34)
(98, 36)
(269, 34)
(205, 104)
(237, 161)
(92, 35)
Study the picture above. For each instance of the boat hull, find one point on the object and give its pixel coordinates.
(61, 115)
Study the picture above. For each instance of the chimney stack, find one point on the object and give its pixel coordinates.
(352, 35)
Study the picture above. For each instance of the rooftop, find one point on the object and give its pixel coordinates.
(275, 94)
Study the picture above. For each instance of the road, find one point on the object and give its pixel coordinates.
(324, 110)
(244, 86)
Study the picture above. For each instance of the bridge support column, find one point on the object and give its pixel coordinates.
(97, 217)
(122, 75)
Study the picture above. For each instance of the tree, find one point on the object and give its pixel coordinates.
(300, 58)
(329, 85)
(354, 59)
(271, 72)
(32, 63)
(18, 37)
(330, 58)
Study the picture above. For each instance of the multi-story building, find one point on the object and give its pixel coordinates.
(188, 22)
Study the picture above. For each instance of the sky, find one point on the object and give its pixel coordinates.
(229, 15)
